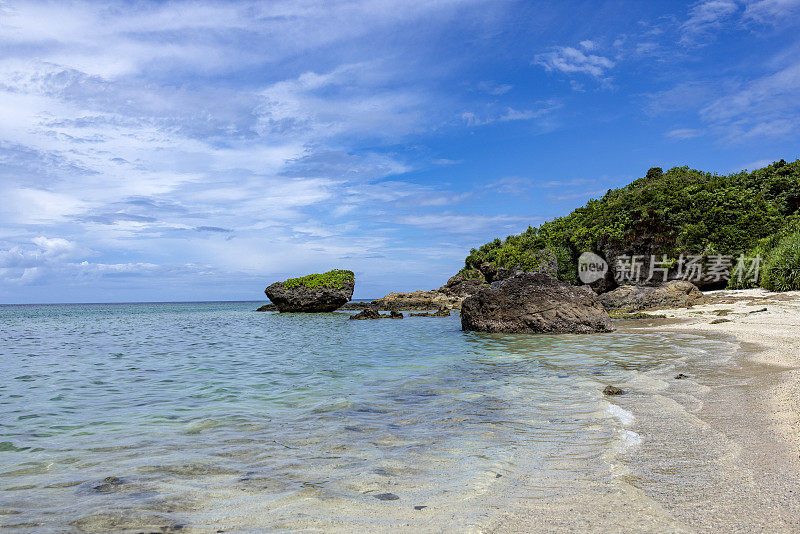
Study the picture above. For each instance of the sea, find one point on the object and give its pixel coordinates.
(212, 417)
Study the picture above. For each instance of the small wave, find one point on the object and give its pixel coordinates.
(630, 438)
(622, 415)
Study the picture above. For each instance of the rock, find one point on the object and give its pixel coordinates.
(109, 484)
(461, 286)
(324, 292)
(386, 497)
(681, 376)
(759, 311)
(417, 300)
(674, 294)
(534, 303)
(267, 307)
(493, 273)
(368, 313)
(720, 321)
(612, 390)
(441, 312)
(420, 507)
(372, 313)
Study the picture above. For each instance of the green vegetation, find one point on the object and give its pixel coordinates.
(332, 279)
(681, 211)
(781, 269)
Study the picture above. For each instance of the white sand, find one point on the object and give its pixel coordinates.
(774, 334)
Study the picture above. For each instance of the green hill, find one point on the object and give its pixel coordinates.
(681, 211)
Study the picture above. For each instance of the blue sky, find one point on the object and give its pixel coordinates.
(201, 150)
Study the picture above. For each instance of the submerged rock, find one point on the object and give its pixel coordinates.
(612, 390)
(324, 292)
(534, 303)
(674, 294)
(267, 307)
(386, 497)
(441, 312)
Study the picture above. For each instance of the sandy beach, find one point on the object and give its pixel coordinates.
(767, 326)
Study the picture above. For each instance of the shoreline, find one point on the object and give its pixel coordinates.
(753, 403)
(767, 339)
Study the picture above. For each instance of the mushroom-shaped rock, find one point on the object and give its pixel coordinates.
(323, 292)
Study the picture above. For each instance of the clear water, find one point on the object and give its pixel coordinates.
(211, 416)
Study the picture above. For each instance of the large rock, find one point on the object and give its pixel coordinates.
(674, 294)
(534, 303)
(324, 292)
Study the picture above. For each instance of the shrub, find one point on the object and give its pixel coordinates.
(332, 279)
(781, 269)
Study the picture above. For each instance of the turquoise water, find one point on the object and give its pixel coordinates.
(211, 416)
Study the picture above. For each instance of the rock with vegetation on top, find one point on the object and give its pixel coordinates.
(535, 303)
(674, 294)
(323, 292)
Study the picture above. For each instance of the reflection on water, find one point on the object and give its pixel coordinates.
(140, 416)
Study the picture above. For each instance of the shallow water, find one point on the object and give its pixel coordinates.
(210, 416)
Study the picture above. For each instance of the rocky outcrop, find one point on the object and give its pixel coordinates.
(417, 300)
(674, 294)
(534, 303)
(461, 286)
(324, 292)
(449, 296)
(372, 313)
(366, 313)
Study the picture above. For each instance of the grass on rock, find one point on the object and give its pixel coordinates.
(335, 279)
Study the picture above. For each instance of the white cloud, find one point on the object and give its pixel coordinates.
(705, 18)
(542, 113)
(570, 60)
(495, 89)
(772, 11)
(467, 224)
(684, 133)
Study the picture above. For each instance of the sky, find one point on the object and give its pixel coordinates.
(172, 151)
